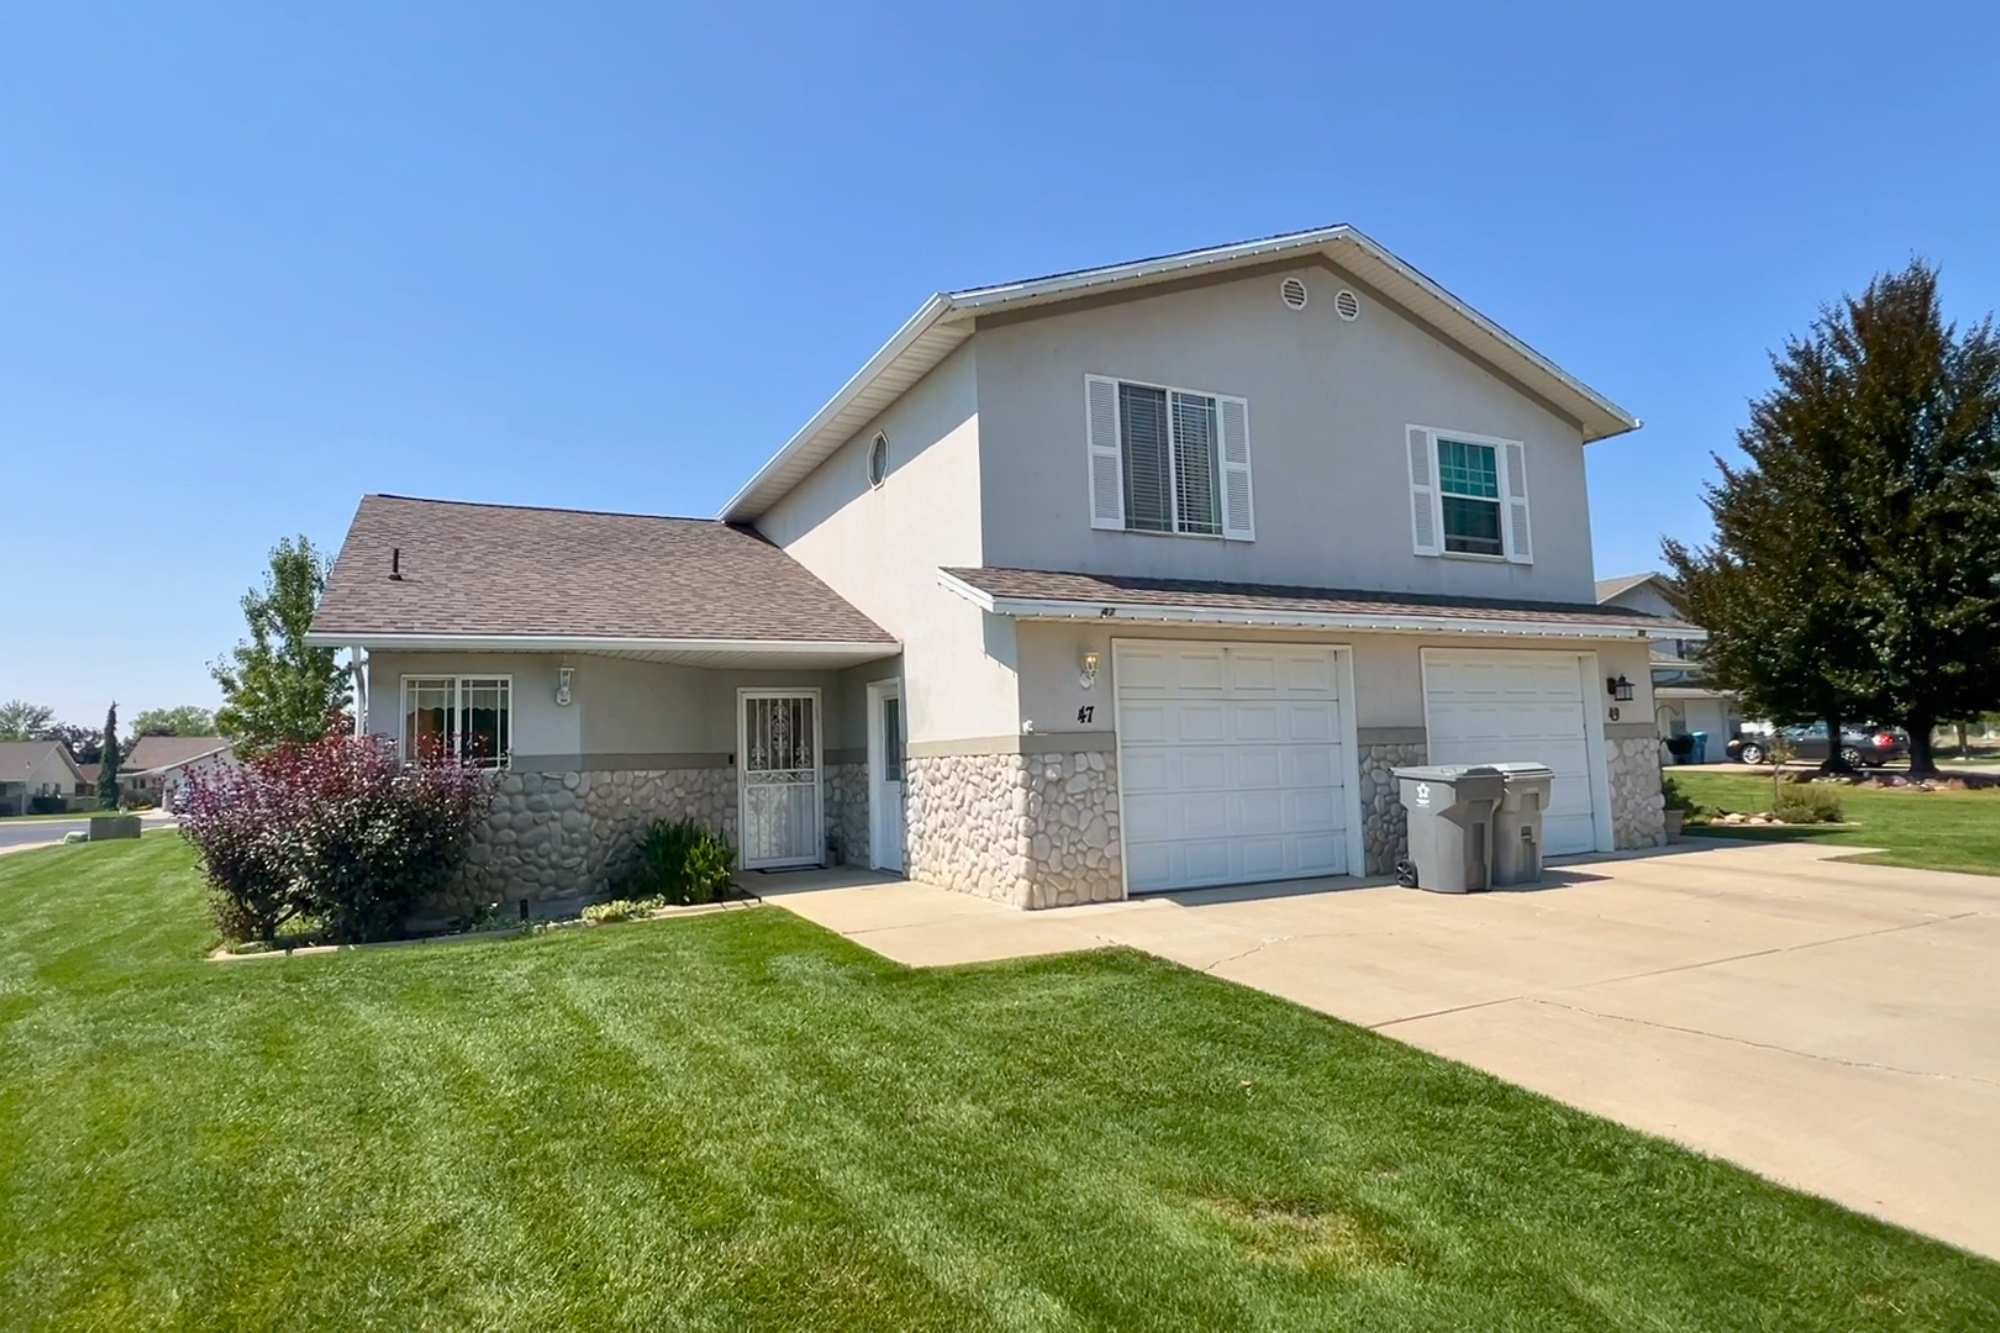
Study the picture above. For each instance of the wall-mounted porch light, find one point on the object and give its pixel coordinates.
(1088, 675)
(1618, 688)
(564, 676)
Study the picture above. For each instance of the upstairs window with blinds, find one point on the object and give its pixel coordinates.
(1168, 460)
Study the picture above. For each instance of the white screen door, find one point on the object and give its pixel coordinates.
(885, 775)
(778, 743)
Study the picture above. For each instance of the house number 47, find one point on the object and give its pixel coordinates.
(1086, 713)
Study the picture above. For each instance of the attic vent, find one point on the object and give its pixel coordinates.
(1293, 293)
(878, 460)
(1346, 304)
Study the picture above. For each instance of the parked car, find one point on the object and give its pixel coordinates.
(1869, 747)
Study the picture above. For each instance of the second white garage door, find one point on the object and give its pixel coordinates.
(1233, 760)
(1506, 706)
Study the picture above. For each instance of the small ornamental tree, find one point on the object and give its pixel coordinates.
(336, 833)
(107, 772)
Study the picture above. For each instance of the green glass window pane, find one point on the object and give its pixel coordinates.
(1468, 469)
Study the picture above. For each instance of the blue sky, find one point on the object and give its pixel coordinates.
(253, 264)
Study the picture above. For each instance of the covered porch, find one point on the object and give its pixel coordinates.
(793, 752)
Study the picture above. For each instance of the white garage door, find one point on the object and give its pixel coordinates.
(1233, 763)
(1511, 707)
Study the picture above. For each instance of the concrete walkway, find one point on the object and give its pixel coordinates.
(1831, 1026)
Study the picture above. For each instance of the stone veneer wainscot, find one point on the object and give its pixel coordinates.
(1033, 830)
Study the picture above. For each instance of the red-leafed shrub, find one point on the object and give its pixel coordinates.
(336, 832)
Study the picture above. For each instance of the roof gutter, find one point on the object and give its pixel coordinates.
(1053, 609)
(556, 643)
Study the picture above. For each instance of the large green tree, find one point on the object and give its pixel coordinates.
(108, 759)
(1855, 568)
(277, 690)
(1923, 427)
(23, 721)
(186, 720)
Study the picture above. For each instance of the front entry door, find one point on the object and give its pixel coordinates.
(778, 744)
(885, 775)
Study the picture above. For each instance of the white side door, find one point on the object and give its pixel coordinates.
(885, 775)
(778, 757)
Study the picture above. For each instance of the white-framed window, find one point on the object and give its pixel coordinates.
(878, 461)
(469, 717)
(1468, 495)
(1168, 460)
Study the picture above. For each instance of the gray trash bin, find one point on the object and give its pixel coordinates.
(1450, 810)
(1517, 826)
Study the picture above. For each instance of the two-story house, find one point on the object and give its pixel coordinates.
(1135, 578)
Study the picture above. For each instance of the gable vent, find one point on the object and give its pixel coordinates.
(1346, 304)
(1293, 293)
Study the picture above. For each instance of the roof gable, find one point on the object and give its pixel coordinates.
(947, 320)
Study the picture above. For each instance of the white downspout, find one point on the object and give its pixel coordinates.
(359, 665)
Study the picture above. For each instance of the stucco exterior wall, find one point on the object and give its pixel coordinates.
(881, 548)
(1328, 400)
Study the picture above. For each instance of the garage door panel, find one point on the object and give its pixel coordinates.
(1253, 673)
(1251, 723)
(1311, 766)
(1312, 811)
(1143, 723)
(1231, 763)
(1503, 706)
(1311, 721)
(1149, 818)
(1256, 812)
(1259, 768)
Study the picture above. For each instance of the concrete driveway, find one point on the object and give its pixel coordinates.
(1832, 1026)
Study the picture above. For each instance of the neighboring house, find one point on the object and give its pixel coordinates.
(34, 768)
(1682, 702)
(157, 767)
(1128, 579)
(88, 773)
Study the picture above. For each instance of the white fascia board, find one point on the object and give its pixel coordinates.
(983, 298)
(499, 643)
(913, 328)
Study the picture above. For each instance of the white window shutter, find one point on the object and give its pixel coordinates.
(1239, 520)
(1107, 466)
(1423, 493)
(1520, 547)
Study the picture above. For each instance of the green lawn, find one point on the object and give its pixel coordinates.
(742, 1120)
(1939, 830)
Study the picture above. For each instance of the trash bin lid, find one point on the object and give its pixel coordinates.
(1515, 772)
(1445, 772)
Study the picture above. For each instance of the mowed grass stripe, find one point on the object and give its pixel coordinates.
(741, 1121)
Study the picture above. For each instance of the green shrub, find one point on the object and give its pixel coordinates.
(622, 909)
(1676, 799)
(1808, 803)
(680, 861)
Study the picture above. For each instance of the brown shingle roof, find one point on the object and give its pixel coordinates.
(501, 570)
(1100, 589)
(165, 751)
